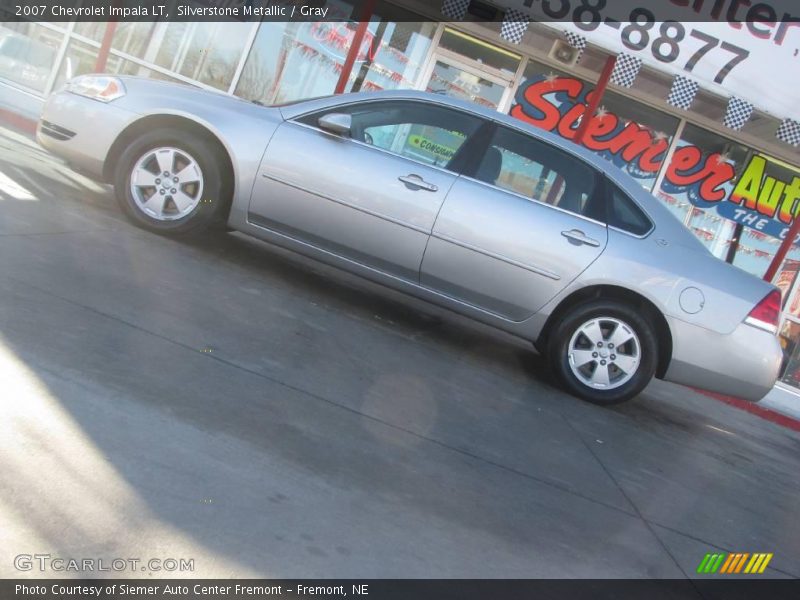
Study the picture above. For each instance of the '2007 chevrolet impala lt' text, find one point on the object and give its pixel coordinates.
(444, 200)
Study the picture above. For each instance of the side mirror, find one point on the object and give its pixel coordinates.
(338, 123)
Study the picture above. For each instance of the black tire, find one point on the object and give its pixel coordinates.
(214, 201)
(561, 336)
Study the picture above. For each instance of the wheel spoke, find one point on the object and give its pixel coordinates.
(593, 332)
(600, 376)
(182, 200)
(155, 204)
(188, 174)
(581, 357)
(627, 364)
(165, 159)
(620, 336)
(143, 178)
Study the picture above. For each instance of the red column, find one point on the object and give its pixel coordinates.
(597, 96)
(105, 47)
(783, 249)
(358, 39)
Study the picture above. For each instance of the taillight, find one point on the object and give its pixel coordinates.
(767, 313)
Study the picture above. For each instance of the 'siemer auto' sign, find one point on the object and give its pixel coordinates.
(737, 48)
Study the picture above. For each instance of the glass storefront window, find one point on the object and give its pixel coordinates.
(290, 61)
(714, 231)
(698, 182)
(756, 250)
(28, 52)
(81, 57)
(471, 69)
(206, 52)
(396, 52)
(458, 82)
(487, 54)
(631, 135)
(130, 37)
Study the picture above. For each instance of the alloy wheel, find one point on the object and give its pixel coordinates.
(604, 353)
(166, 183)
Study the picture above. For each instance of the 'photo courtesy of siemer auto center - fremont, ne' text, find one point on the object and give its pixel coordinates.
(399, 299)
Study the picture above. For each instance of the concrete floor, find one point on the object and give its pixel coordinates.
(265, 416)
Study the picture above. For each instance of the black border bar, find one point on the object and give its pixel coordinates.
(718, 588)
(591, 13)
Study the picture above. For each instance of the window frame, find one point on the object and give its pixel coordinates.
(454, 167)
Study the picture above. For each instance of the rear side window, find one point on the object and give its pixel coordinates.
(623, 213)
(522, 164)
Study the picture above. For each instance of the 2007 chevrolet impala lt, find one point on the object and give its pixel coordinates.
(465, 207)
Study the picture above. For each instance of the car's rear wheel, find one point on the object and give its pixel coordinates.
(169, 181)
(603, 351)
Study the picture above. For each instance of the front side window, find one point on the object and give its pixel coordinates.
(534, 169)
(424, 132)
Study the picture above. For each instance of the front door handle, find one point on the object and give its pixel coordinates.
(419, 183)
(576, 235)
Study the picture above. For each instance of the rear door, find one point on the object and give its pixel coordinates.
(517, 228)
(372, 195)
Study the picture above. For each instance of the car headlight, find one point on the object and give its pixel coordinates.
(97, 87)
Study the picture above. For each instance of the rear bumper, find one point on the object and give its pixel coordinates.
(743, 364)
(80, 130)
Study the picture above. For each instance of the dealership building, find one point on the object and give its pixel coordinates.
(702, 110)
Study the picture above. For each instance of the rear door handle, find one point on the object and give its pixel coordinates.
(418, 182)
(576, 235)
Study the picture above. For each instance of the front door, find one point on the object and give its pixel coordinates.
(370, 195)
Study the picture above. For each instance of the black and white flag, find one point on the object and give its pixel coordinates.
(455, 9)
(682, 93)
(738, 113)
(626, 70)
(515, 24)
(789, 132)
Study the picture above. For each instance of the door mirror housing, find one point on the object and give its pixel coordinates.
(338, 123)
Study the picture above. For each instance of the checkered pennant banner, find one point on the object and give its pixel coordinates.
(789, 132)
(626, 70)
(455, 9)
(682, 93)
(576, 40)
(738, 113)
(515, 24)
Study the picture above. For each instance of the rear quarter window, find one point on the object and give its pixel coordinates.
(623, 213)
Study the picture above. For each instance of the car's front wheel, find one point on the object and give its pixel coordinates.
(603, 351)
(170, 181)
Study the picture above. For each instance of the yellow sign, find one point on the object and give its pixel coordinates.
(430, 146)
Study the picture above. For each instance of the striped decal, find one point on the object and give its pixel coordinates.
(732, 563)
(762, 563)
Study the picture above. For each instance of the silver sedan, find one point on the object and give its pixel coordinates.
(461, 206)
